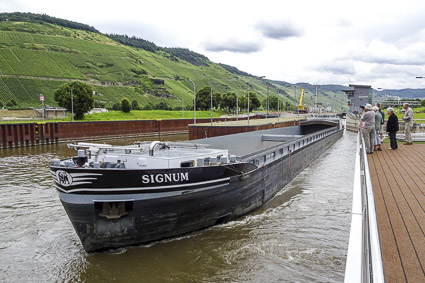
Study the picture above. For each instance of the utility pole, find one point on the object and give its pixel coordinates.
(72, 102)
(194, 101)
(211, 106)
(267, 112)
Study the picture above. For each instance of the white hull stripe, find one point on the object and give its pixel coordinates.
(141, 188)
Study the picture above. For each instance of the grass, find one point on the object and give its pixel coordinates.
(133, 115)
(148, 115)
(415, 115)
(401, 142)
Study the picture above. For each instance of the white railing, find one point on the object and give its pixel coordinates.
(364, 260)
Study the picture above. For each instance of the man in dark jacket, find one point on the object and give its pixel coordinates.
(392, 127)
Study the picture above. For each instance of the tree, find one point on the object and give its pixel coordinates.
(125, 105)
(82, 95)
(203, 98)
(135, 105)
(423, 102)
(217, 99)
(273, 103)
(254, 102)
(228, 101)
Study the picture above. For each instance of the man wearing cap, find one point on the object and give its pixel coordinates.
(408, 123)
(368, 118)
(392, 127)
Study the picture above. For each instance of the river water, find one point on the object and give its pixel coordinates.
(300, 236)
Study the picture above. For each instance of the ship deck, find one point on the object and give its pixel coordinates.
(243, 144)
(398, 181)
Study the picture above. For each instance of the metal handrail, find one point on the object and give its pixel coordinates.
(364, 258)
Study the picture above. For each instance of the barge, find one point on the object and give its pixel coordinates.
(118, 196)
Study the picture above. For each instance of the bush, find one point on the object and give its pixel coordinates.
(116, 107)
(125, 105)
(135, 105)
(148, 107)
(99, 104)
(162, 106)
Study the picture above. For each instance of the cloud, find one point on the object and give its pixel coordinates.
(233, 45)
(381, 52)
(278, 30)
(338, 67)
(342, 22)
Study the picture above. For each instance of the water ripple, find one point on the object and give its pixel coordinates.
(299, 236)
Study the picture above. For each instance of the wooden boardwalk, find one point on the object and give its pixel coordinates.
(398, 180)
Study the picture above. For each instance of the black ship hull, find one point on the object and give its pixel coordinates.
(134, 214)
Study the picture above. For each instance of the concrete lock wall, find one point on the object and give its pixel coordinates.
(29, 134)
(207, 131)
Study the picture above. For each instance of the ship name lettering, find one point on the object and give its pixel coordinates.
(165, 178)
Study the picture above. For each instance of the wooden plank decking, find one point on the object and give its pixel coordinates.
(398, 180)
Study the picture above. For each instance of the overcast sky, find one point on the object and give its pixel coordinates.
(379, 43)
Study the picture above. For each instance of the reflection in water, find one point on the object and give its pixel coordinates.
(301, 235)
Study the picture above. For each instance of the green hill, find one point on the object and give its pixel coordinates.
(38, 53)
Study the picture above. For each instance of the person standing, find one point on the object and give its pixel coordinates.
(368, 118)
(378, 122)
(383, 121)
(408, 123)
(392, 128)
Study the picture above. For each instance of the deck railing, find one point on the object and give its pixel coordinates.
(364, 260)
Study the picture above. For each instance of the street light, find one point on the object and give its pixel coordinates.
(248, 92)
(194, 100)
(211, 83)
(295, 95)
(267, 102)
(237, 101)
(72, 101)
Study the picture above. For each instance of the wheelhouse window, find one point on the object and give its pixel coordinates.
(189, 163)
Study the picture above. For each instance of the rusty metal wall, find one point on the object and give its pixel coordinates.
(27, 134)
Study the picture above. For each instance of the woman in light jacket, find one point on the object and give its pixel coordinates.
(378, 122)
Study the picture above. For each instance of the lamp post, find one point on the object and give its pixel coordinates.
(211, 83)
(211, 106)
(267, 102)
(295, 95)
(72, 101)
(248, 93)
(237, 102)
(194, 100)
(278, 105)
